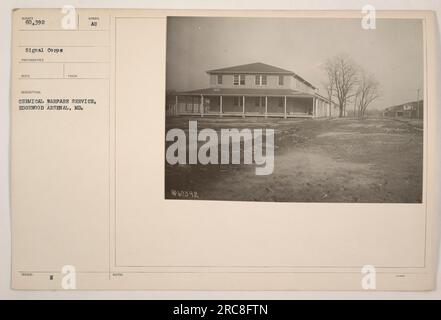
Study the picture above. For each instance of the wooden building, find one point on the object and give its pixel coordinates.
(412, 110)
(253, 90)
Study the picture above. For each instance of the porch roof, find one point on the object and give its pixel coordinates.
(247, 92)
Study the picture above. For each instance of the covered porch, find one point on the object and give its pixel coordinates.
(248, 104)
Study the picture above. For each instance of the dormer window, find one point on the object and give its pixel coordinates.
(239, 79)
(260, 80)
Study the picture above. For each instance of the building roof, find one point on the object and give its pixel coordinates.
(247, 92)
(258, 68)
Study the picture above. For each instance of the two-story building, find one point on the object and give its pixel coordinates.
(255, 89)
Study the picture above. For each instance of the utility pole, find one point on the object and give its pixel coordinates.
(418, 103)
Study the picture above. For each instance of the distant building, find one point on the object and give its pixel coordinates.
(411, 110)
(256, 90)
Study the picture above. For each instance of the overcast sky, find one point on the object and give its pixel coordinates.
(393, 52)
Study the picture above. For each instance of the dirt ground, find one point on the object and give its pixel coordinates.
(320, 160)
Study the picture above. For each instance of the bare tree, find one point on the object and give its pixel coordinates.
(342, 79)
(367, 92)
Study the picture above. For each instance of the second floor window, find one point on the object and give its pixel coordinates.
(219, 79)
(280, 80)
(261, 80)
(239, 79)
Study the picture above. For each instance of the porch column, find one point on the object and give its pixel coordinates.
(284, 106)
(313, 108)
(202, 106)
(317, 107)
(318, 110)
(243, 106)
(220, 106)
(176, 104)
(266, 107)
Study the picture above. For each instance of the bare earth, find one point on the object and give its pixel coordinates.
(337, 160)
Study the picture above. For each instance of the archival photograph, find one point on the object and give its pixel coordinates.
(294, 110)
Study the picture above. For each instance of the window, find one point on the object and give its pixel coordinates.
(260, 80)
(242, 79)
(239, 79)
(281, 102)
(259, 101)
(280, 80)
(237, 101)
(219, 79)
